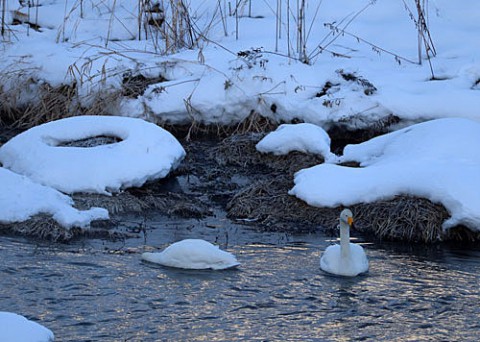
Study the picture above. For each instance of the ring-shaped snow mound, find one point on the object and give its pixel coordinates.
(145, 152)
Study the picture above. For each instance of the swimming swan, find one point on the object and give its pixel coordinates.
(193, 254)
(346, 259)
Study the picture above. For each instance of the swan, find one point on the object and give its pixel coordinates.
(346, 259)
(194, 254)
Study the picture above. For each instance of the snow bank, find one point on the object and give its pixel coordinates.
(438, 160)
(22, 198)
(225, 79)
(242, 68)
(145, 152)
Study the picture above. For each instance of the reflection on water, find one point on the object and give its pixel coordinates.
(100, 290)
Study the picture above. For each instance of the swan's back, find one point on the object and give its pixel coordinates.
(193, 254)
(333, 262)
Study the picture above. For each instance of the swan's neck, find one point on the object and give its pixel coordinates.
(344, 240)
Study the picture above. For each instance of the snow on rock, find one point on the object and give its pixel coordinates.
(16, 328)
(303, 137)
(145, 152)
(21, 198)
(438, 160)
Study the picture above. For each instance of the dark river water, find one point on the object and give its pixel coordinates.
(99, 290)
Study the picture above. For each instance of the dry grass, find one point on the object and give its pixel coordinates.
(42, 227)
(253, 123)
(137, 201)
(262, 199)
(151, 196)
(239, 150)
(115, 204)
(51, 103)
(266, 202)
(405, 218)
(45, 228)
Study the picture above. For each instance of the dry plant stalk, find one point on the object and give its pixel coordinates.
(424, 41)
(169, 19)
(110, 22)
(4, 5)
(254, 123)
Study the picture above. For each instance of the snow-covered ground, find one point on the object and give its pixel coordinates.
(438, 160)
(362, 67)
(95, 43)
(22, 198)
(145, 152)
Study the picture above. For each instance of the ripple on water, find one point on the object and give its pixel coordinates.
(278, 293)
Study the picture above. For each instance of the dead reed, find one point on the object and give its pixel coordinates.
(51, 103)
(267, 204)
(42, 227)
(168, 24)
(405, 218)
(136, 201)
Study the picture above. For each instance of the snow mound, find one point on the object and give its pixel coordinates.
(304, 137)
(21, 198)
(145, 152)
(438, 160)
(16, 328)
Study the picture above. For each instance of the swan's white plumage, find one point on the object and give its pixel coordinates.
(193, 254)
(332, 262)
(345, 259)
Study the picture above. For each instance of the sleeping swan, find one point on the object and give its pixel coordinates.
(193, 254)
(346, 259)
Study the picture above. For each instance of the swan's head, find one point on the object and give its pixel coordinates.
(346, 217)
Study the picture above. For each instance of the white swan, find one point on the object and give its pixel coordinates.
(346, 259)
(194, 254)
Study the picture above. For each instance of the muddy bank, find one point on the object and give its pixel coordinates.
(223, 171)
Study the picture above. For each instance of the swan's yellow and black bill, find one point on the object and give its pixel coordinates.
(350, 221)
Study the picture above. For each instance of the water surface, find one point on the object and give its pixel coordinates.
(99, 290)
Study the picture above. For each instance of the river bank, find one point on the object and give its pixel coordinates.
(224, 172)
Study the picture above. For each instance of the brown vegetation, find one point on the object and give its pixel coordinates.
(50, 103)
(253, 189)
